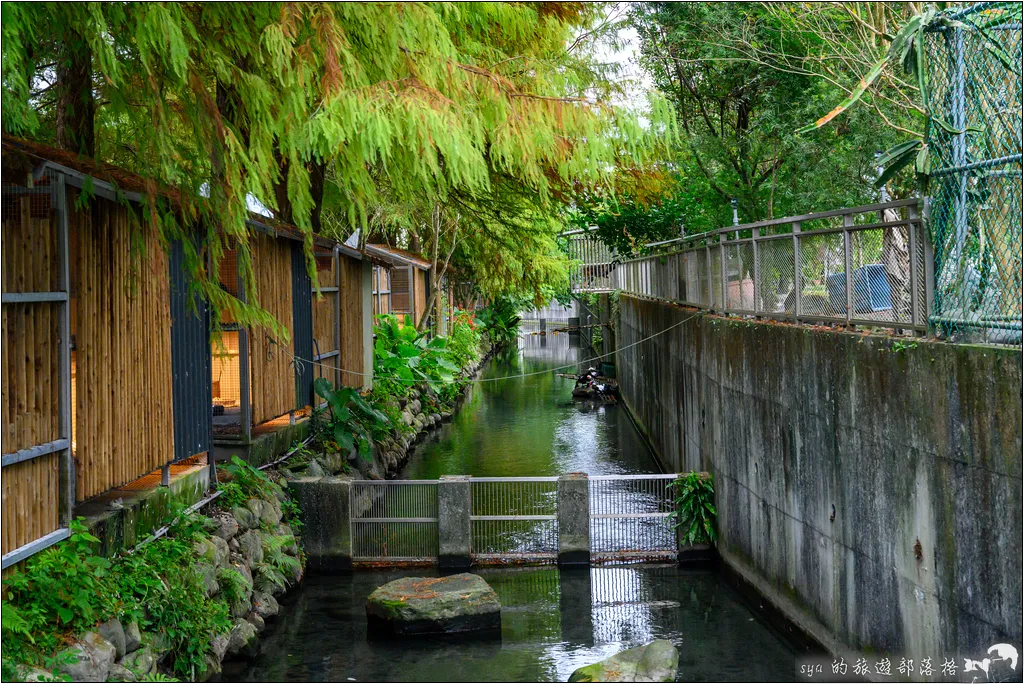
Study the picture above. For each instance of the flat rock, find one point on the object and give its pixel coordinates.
(653, 662)
(434, 605)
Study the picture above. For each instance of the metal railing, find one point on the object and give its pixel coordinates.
(512, 520)
(593, 272)
(629, 517)
(394, 520)
(795, 268)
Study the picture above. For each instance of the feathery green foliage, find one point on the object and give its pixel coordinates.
(224, 101)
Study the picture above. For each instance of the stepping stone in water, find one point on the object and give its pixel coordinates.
(455, 604)
(653, 662)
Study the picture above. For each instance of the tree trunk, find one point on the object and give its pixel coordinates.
(75, 116)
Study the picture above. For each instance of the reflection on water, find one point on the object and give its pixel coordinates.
(552, 622)
(531, 425)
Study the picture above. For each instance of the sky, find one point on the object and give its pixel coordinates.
(626, 54)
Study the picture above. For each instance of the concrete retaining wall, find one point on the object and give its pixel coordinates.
(871, 488)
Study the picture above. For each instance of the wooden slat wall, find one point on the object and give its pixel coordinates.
(124, 418)
(30, 374)
(382, 288)
(324, 323)
(351, 321)
(419, 287)
(272, 376)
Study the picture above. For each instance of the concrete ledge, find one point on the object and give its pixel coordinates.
(698, 556)
(121, 518)
(264, 447)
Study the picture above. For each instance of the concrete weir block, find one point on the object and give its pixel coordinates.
(326, 518)
(454, 530)
(573, 520)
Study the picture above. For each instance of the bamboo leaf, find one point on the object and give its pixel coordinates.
(854, 97)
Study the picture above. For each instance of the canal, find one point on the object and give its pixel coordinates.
(552, 621)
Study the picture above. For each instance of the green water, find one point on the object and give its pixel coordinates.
(552, 621)
(531, 425)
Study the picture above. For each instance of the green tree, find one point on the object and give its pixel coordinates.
(739, 104)
(223, 101)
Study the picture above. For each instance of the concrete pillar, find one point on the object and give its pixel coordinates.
(326, 521)
(367, 300)
(454, 529)
(573, 520)
(543, 326)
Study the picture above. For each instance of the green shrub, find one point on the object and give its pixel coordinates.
(695, 510)
(500, 321)
(67, 589)
(350, 420)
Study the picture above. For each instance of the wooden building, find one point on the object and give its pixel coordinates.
(261, 382)
(409, 286)
(105, 360)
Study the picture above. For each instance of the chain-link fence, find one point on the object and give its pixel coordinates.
(975, 210)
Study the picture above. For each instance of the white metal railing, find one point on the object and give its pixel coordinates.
(796, 268)
(394, 520)
(512, 519)
(629, 516)
(596, 263)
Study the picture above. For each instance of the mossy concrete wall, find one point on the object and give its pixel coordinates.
(868, 486)
(121, 518)
(265, 447)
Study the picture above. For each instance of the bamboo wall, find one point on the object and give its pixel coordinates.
(419, 291)
(124, 414)
(272, 376)
(324, 323)
(351, 321)
(401, 291)
(30, 404)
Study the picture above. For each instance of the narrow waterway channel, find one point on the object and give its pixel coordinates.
(552, 621)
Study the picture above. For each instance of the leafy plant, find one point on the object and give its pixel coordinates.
(500, 321)
(353, 421)
(63, 590)
(68, 588)
(909, 50)
(243, 483)
(695, 509)
(403, 354)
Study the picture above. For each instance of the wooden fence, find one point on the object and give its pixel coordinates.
(271, 372)
(124, 418)
(36, 427)
(351, 357)
(327, 316)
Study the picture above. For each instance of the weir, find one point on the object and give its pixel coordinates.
(460, 521)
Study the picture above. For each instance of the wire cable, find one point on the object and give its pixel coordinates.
(300, 360)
